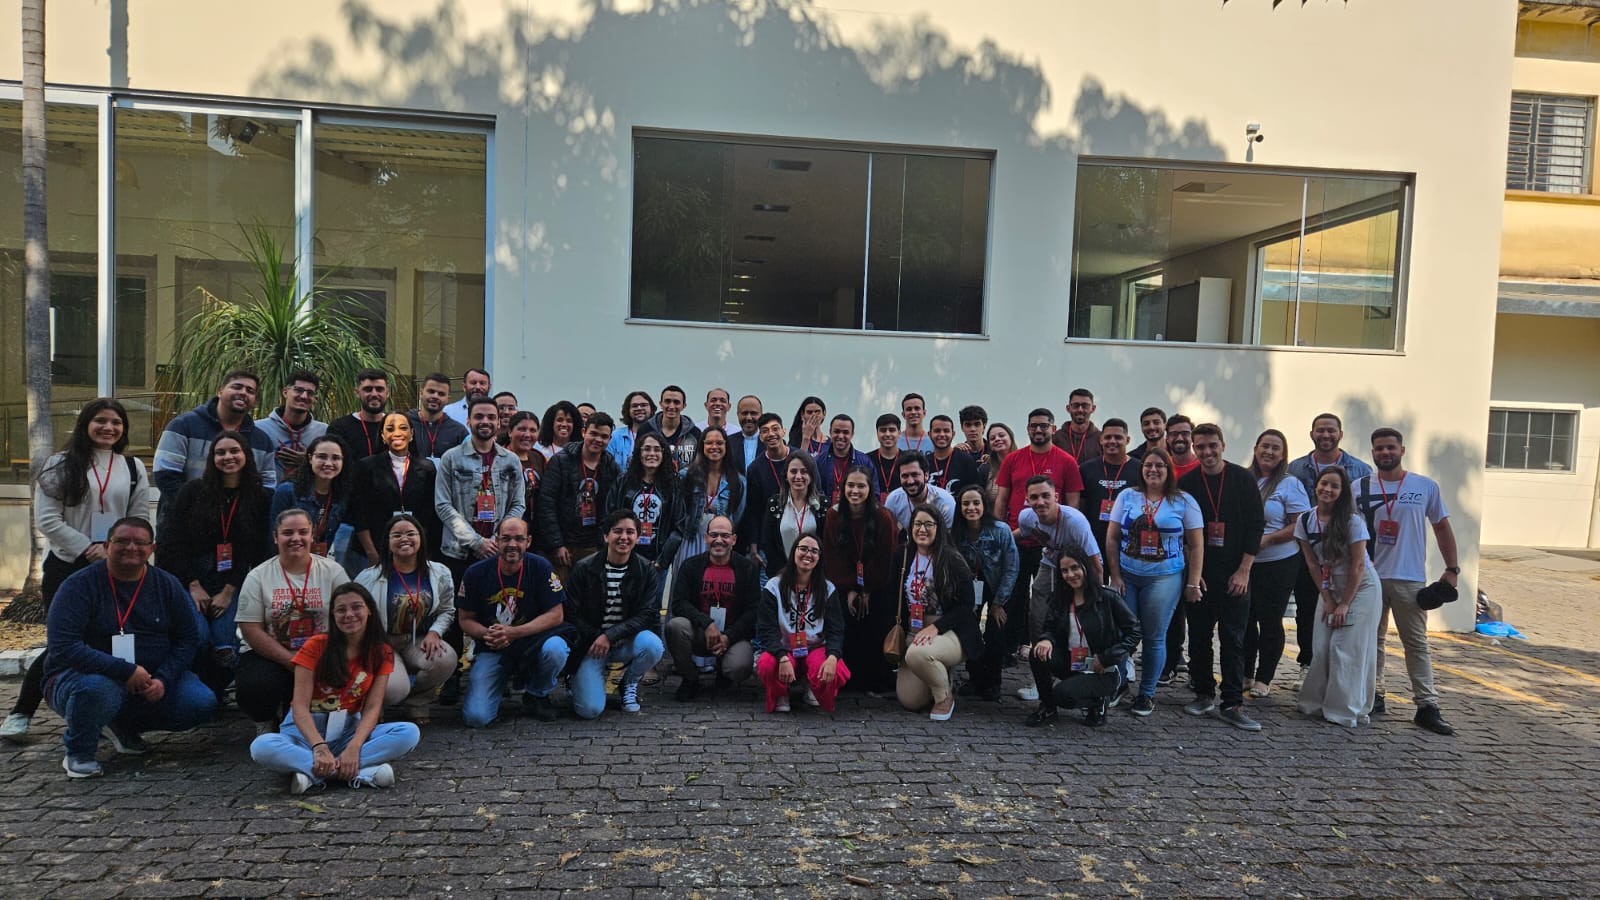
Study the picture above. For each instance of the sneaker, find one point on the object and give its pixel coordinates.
(688, 689)
(1166, 678)
(300, 782)
(782, 705)
(1181, 667)
(541, 708)
(949, 710)
(1126, 698)
(15, 727)
(630, 697)
(1095, 715)
(722, 683)
(1042, 715)
(380, 776)
(1261, 689)
(1201, 706)
(127, 743)
(1143, 706)
(809, 698)
(81, 768)
(1029, 693)
(1428, 717)
(1378, 706)
(1234, 715)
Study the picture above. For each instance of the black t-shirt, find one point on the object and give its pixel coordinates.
(888, 472)
(361, 438)
(1102, 482)
(959, 469)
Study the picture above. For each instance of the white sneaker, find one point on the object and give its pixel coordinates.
(299, 783)
(1029, 693)
(810, 698)
(630, 697)
(782, 705)
(15, 727)
(377, 776)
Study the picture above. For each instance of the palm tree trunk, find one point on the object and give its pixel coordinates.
(36, 265)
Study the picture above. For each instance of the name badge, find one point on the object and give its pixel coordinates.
(225, 557)
(915, 616)
(719, 617)
(586, 511)
(1080, 659)
(647, 533)
(302, 627)
(122, 648)
(861, 574)
(336, 723)
(100, 526)
(1388, 532)
(1150, 543)
(977, 592)
(1214, 534)
(485, 507)
(1105, 510)
(797, 645)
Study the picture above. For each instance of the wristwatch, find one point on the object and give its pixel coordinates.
(1453, 570)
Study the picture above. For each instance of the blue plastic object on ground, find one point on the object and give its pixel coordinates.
(1500, 629)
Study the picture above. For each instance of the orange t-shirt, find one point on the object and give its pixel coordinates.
(353, 695)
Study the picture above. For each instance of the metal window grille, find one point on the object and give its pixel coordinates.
(1552, 138)
(1536, 440)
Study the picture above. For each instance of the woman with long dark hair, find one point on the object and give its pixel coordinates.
(806, 431)
(321, 487)
(711, 487)
(416, 606)
(649, 488)
(557, 427)
(400, 479)
(81, 491)
(1001, 443)
(1088, 635)
(802, 631)
(1342, 682)
(215, 533)
(795, 510)
(936, 607)
(990, 550)
(333, 728)
(860, 538)
(1278, 562)
(524, 445)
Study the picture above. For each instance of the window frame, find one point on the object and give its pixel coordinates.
(1251, 327)
(825, 144)
(1529, 148)
(1574, 411)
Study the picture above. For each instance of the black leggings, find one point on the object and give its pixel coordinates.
(263, 688)
(1270, 586)
(1306, 597)
(55, 571)
(1073, 689)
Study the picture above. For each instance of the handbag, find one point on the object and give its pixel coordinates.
(894, 643)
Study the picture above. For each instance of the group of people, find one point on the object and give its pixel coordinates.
(340, 575)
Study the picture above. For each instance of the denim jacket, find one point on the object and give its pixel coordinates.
(993, 556)
(455, 495)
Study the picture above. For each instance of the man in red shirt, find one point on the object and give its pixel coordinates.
(1179, 431)
(1039, 457)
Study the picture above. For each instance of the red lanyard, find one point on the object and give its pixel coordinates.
(298, 601)
(102, 483)
(1077, 622)
(919, 576)
(1150, 512)
(122, 615)
(1116, 479)
(1076, 449)
(502, 576)
(884, 473)
(415, 596)
(322, 520)
(227, 522)
(839, 467)
(1216, 500)
(645, 496)
(365, 433)
(944, 474)
(773, 466)
(713, 489)
(802, 609)
(433, 432)
(588, 474)
(1388, 505)
(799, 519)
(405, 471)
(1033, 470)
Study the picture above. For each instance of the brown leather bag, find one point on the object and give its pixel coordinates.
(894, 643)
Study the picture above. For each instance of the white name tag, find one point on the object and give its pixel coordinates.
(977, 592)
(122, 648)
(719, 617)
(336, 723)
(100, 526)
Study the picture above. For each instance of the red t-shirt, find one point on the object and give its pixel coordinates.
(1021, 465)
(353, 696)
(716, 587)
(1181, 469)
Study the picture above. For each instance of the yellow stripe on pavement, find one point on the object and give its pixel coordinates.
(1492, 685)
(1522, 656)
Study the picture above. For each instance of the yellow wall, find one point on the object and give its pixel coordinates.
(1553, 235)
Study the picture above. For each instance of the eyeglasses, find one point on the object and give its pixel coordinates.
(129, 542)
(723, 535)
(923, 526)
(1038, 426)
(403, 534)
(806, 551)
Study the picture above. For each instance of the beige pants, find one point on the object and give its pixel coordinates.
(409, 659)
(1411, 620)
(925, 675)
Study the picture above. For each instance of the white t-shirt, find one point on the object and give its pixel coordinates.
(293, 608)
(1358, 532)
(1285, 504)
(1402, 513)
(1071, 530)
(900, 506)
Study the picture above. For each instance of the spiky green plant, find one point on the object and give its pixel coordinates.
(273, 330)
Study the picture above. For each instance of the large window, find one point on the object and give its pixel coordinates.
(1552, 138)
(759, 233)
(1237, 255)
(1532, 439)
(395, 230)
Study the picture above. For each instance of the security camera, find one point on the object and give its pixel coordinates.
(1252, 133)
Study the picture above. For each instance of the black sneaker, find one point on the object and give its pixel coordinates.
(1042, 715)
(967, 689)
(1428, 717)
(1378, 706)
(722, 683)
(1095, 715)
(540, 708)
(1143, 706)
(990, 694)
(688, 689)
(126, 741)
(1167, 677)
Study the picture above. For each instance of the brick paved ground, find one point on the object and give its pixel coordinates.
(719, 799)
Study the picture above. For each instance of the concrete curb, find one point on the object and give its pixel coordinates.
(15, 662)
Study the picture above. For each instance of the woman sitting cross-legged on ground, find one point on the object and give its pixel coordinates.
(801, 626)
(418, 606)
(333, 729)
(1088, 634)
(937, 610)
(1342, 681)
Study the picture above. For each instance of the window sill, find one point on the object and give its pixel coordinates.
(1495, 470)
(1553, 197)
(802, 329)
(1118, 342)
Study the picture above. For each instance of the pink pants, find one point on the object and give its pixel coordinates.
(809, 668)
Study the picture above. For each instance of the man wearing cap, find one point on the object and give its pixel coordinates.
(1400, 506)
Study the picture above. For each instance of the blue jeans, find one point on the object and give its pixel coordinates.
(1153, 598)
(289, 752)
(221, 633)
(486, 680)
(91, 702)
(641, 653)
